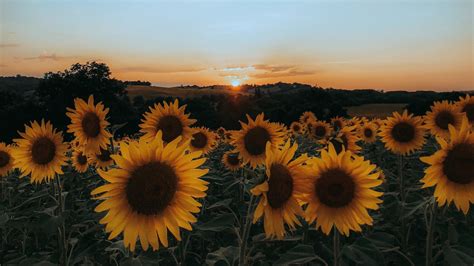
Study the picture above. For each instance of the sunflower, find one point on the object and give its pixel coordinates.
(466, 105)
(345, 139)
(251, 140)
(168, 118)
(451, 168)
(339, 191)
(102, 159)
(368, 132)
(6, 159)
(79, 160)
(220, 131)
(441, 116)
(40, 153)
(203, 140)
(338, 123)
(231, 161)
(153, 190)
(403, 134)
(319, 130)
(307, 117)
(296, 128)
(88, 124)
(282, 190)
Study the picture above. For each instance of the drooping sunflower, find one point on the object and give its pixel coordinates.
(203, 140)
(153, 191)
(296, 128)
(319, 130)
(403, 134)
(344, 139)
(368, 132)
(6, 159)
(170, 119)
(282, 190)
(40, 153)
(442, 115)
(451, 168)
(340, 191)
(306, 117)
(231, 161)
(338, 123)
(88, 124)
(466, 105)
(251, 140)
(102, 159)
(79, 160)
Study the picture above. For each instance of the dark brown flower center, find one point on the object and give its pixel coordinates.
(4, 158)
(403, 132)
(91, 125)
(104, 155)
(43, 150)
(151, 188)
(368, 133)
(81, 159)
(337, 125)
(339, 144)
(199, 140)
(443, 119)
(233, 159)
(469, 110)
(255, 140)
(280, 186)
(296, 128)
(458, 166)
(170, 127)
(319, 131)
(335, 188)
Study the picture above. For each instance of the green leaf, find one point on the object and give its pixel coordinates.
(227, 255)
(222, 203)
(217, 224)
(299, 254)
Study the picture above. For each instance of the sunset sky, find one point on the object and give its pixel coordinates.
(410, 45)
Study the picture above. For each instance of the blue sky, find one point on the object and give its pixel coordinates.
(348, 44)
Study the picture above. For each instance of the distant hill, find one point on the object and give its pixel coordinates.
(19, 84)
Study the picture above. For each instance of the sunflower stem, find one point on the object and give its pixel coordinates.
(61, 227)
(402, 200)
(430, 234)
(336, 246)
(245, 234)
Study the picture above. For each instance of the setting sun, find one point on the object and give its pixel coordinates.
(235, 83)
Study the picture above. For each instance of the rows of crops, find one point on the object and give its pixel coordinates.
(347, 191)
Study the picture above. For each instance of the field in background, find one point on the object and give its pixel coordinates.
(381, 110)
(151, 92)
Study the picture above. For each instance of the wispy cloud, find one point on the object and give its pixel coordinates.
(280, 74)
(161, 70)
(9, 45)
(48, 56)
(3, 65)
(274, 68)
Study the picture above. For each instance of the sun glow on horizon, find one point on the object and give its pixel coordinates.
(235, 83)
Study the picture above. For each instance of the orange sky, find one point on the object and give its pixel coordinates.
(386, 44)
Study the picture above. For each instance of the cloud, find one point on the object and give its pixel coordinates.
(47, 56)
(161, 70)
(279, 74)
(274, 68)
(9, 45)
(3, 65)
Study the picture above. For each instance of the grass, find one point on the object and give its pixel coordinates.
(151, 92)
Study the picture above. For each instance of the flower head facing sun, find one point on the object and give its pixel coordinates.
(88, 124)
(340, 191)
(231, 161)
(282, 191)
(451, 168)
(170, 119)
(251, 140)
(442, 115)
(6, 159)
(40, 153)
(153, 191)
(466, 105)
(203, 140)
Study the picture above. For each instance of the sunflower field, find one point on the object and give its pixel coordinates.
(348, 191)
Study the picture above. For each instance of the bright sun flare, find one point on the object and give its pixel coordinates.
(235, 83)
